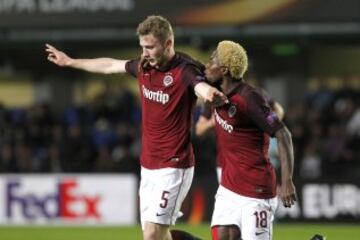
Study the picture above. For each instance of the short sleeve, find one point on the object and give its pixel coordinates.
(193, 75)
(132, 67)
(267, 97)
(260, 112)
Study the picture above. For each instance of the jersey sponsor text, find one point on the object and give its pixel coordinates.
(157, 96)
(223, 123)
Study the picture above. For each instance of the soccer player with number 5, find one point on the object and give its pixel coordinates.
(169, 82)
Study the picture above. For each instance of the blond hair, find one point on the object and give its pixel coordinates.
(159, 26)
(233, 56)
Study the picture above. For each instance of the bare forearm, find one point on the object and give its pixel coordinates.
(210, 94)
(202, 90)
(286, 153)
(204, 125)
(201, 130)
(99, 65)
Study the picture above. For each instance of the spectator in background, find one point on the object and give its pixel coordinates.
(168, 82)
(310, 167)
(76, 150)
(319, 96)
(7, 160)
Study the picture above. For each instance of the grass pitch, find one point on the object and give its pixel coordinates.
(281, 232)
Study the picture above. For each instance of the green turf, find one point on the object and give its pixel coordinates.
(281, 232)
(305, 231)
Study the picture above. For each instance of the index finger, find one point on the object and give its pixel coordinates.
(50, 47)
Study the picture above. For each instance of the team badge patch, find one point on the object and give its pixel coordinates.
(271, 118)
(168, 80)
(232, 111)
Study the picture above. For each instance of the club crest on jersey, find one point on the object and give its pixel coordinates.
(168, 80)
(232, 110)
(271, 118)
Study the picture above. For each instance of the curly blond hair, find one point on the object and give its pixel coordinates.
(233, 56)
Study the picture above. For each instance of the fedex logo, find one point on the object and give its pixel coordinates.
(63, 203)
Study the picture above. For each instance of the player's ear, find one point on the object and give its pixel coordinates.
(168, 43)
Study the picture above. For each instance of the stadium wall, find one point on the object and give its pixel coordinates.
(68, 199)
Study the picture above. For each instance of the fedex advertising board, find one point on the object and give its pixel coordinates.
(68, 199)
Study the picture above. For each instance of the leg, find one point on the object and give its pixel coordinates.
(161, 194)
(257, 219)
(318, 237)
(226, 219)
(182, 235)
(229, 232)
(155, 231)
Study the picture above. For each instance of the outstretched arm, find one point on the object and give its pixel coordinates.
(210, 94)
(286, 155)
(96, 65)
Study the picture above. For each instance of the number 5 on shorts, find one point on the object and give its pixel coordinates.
(164, 198)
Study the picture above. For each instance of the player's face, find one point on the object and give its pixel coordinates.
(213, 71)
(152, 50)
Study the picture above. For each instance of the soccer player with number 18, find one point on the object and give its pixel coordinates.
(246, 199)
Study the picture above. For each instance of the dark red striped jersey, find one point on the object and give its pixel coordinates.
(243, 128)
(167, 99)
(207, 111)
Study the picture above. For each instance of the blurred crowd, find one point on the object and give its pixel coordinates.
(105, 135)
(326, 130)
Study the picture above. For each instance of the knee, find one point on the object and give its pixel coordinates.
(149, 234)
(225, 233)
(154, 231)
(219, 233)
